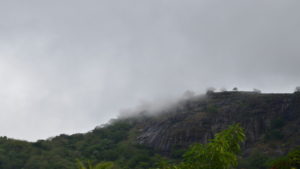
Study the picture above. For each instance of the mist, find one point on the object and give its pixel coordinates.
(68, 66)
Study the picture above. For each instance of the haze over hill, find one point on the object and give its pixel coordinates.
(270, 123)
(67, 66)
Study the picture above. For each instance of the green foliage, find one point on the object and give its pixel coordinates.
(220, 153)
(115, 143)
(101, 165)
(107, 143)
(291, 161)
(177, 152)
(256, 160)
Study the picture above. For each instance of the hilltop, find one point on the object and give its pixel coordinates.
(271, 123)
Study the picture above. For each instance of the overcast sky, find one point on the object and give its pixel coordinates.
(69, 65)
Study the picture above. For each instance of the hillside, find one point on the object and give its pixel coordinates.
(268, 119)
(271, 123)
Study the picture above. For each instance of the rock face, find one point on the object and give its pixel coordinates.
(268, 120)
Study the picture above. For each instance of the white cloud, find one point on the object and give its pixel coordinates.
(67, 66)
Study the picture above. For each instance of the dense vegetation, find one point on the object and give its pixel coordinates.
(109, 143)
(220, 153)
(112, 147)
(270, 121)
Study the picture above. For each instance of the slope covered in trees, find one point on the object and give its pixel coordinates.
(270, 121)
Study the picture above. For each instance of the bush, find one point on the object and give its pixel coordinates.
(291, 161)
(221, 152)
(256, 160)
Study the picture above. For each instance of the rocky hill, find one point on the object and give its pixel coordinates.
(271, 121)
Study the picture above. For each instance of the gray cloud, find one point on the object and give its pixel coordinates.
(67, 66)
